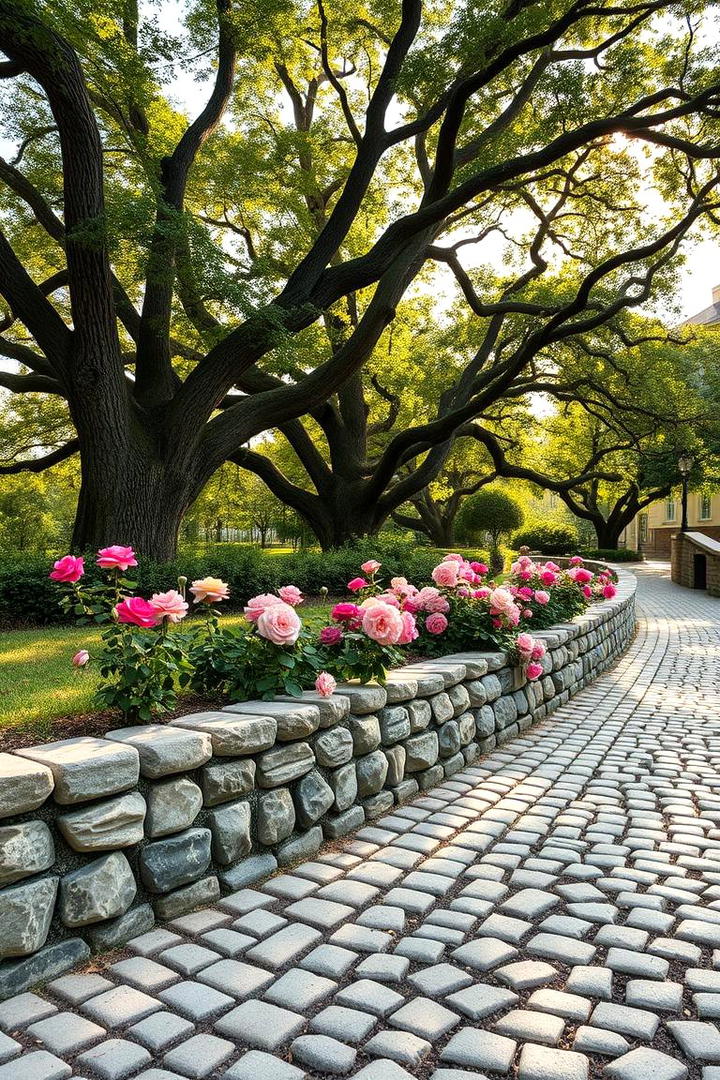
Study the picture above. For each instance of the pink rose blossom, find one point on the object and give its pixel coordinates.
(436, 623)
(501, 602)
(587, 591)
(257, 604)
(389, 598)
(81, 658)
(533, 671)
(552, 566)
(609, 591)
(325, 684)
(539, 650)
(279, 624)
(453, 557)
(410, 630)
(371, 566)
(466, 572)
(527, 613)
(410, 605)
(210, 589)
(463, 591)
(446, 574)
(526, 593)
(576, 560)
(479, 568)
(290, 594)
(548, 577)
(349, 613)
(513, 616)
(356, 584)
(137, 612)
(68, 569)
(169, 605)
(383, 623)
(525, 644)
(331, 635)
(483, 592)
(116, 557)
(542, 597)
(581, 575)
(437, 605)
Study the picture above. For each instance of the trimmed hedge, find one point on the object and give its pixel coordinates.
(548, 539)
(29, 598)
(613, 554)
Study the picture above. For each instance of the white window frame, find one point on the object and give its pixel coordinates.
(668, 504)
(705, 504)
(643, 528)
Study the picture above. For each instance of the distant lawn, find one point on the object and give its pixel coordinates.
(38, 683)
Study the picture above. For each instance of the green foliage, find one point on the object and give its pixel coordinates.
(492, 512)
(143, 670)
(243, 665)
(548, 539)
(612, 554)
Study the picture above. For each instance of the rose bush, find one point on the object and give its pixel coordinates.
(144, 659)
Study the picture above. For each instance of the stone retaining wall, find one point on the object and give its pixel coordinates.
(99, 837)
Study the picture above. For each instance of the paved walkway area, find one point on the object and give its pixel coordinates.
(552, 913)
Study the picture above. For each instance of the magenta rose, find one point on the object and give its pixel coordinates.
(446, 574)
(331, 635)
(548, 577)
(383, 623)
(356, 584)
(576, 560)
(169, 605)
(436, 623)
(479, 568)
(609, 591)
(581, 575)
(325, 684)
(116, 557)
(525, 593)
(257, 604)
(137, 612)
(69, 569)
(533, 671)
(345, 613)
(279, 624)
(290, 594)
(586, 591)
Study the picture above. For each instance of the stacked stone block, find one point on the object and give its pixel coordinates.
(98, 837)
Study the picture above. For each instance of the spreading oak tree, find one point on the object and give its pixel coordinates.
(185, 283)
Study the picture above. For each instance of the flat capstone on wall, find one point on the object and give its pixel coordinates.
(101, 837)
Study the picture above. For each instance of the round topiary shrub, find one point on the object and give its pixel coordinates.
(548, 539)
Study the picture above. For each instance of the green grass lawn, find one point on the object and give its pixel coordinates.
(38, 683)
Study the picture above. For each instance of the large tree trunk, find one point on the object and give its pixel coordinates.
(608, 534)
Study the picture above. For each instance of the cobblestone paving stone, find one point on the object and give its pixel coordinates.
(550, 913)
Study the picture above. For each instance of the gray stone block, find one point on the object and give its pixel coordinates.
(230, 829)
(448, 739)
(332, 710)
(442, 708)
(115, 932)
(226, 781)
(394, 724)
(505, 711)
(365, 731)
(172, 806)
(16, 976)
(453, 764)
(396, 756)
(428, 778)
(340, 824)
(406, 790)
(86, 768)
(371, 772)
(400, 688)
(175, 861)
(275, 816)
(295, 719)
(105, 826)
(249, 871)
(466, 728)
(24, 785)
(165, 749)
(476, 693)
(333, 747)
(484, 721)
(343, 782)
(284, 764)
(102, 889)
(378, 804)
(367, 698)
(422, 751)
(460, 698)
(313, 798)
(198, 894)
(25, 913)
(420, 714)
(493, 688)
(25, 849)
(300, 847)
(233, 736)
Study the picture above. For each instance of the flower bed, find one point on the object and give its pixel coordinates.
(101, 836)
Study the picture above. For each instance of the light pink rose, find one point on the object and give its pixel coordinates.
(169, 605)
(501, 601)
(552, 566)
(137, 612)
(436, 623)
(527, 613)
(427, 595)
(68, 569)
(533, 671)
(116, 557)
(512, 616)
(291, 595)
(539, 650)
(525, 644)
(437, 605)
(370, 567)
(542, 597)
(410, 630)
(609, 591)
(257, 604)
(446, 574)
(279, 624)
(325, 684)
(383, 623)
(210, 589)
(81, 658)
(453, 557)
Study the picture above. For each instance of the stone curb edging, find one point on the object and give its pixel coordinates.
(154, 821)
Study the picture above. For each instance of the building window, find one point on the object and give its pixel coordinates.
(705, 507)
(643, 529)
(670, 510)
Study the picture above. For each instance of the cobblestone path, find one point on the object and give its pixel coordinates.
(551, 913)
